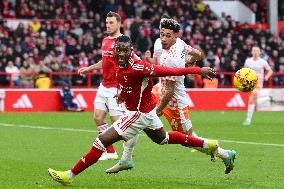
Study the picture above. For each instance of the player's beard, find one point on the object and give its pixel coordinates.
(112, 34)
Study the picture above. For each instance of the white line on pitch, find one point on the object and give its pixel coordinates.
(47, 128)
(94, 131)
(254, 143)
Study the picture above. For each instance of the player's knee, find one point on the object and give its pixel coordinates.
(98, 118)
(165, 140)
(159, 140)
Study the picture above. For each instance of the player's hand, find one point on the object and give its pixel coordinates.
(83, 71)
(118, 98)
(159, 112)
(208, 72)
(147, 54)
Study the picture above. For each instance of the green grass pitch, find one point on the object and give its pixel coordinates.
(30, 143)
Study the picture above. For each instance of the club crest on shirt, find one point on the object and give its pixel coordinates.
(125, 89)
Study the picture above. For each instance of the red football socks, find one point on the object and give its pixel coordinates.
(89, 159)
(185, 140)
(110, 149)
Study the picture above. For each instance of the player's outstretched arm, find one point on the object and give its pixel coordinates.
(85, 70)
(161, 71)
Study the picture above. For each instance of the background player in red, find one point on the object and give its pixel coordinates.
(104, 101)
(134, 79)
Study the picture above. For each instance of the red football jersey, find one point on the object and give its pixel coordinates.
(136, 83)
(108, 63)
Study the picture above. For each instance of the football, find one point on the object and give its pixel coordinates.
(245, 80)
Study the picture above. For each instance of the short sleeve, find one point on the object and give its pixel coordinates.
(135, 57)
(266, 65)
(187, 48)
(157, 48)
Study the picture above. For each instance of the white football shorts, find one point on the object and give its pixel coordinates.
(132, 123)
(105, 101)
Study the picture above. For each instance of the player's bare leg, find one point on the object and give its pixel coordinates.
(99, 118)
(105, 139)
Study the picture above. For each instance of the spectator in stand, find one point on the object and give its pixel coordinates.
(13, 74)
(128, 8)
(3, 78)
(10, 54)
(143, 42)
(65, 30)
(27, 45)
(212, 61)
(43, 67)
(27, 75)
(135, 28)
(281, 10)
(42, 82)
(83, 60)
(65, 66)
(35, 25)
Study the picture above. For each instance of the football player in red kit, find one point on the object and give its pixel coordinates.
(135, 83)
(104, 101)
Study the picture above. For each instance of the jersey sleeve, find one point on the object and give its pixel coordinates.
(187, 48)
(143, 68)
(266, 65)
(135, 57)
(157, 48)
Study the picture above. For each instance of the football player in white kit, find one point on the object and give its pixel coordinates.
(171, 95)
(264, 72)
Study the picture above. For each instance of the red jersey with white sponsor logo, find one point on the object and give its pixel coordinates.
(108, 63)
(136, 83)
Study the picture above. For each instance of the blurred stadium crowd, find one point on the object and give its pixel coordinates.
(63, 35)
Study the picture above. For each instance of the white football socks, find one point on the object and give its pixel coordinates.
(128, 148)
(250, 111)
(70, 175)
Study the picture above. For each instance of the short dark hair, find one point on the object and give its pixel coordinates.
(114, 14)
(170, 24)
(41, 72)
(166, 16)
(123, 39)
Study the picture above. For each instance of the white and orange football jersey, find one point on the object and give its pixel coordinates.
(175, 57)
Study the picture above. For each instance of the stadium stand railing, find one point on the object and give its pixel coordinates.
(92, 80)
